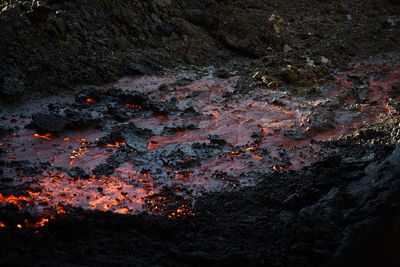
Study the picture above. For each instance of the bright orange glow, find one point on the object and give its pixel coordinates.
(69, 139)
(14, 200)
(91, 100)
(40, 223)
(216, 115)
(117, 144)
(122, 211)
(2, 225)
(79, 153)
(61, 210)
(45, 137)
(49, 135)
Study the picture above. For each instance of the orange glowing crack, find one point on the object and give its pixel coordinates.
(48, 137)
(117, 144)
(81, 151)
(256, 156)
(40, 223)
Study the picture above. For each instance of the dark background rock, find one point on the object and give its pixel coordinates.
(222, 73)
(39, 13)
(57, 43)
(12, 88)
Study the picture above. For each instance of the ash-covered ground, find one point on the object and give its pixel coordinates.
(202, 133)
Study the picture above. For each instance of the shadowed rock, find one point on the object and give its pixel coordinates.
(48, 123)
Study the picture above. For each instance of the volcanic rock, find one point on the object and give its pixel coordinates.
(103, 169)
(222, 73)
(240, 29)
(12, 88)
(46, 123)
(185, 27)
(163, 3)
(78, 173)
(195, 16)
(39, 13)
(12, 9)
(290, 74)
(4, 130)
(331, 161)
(217, 140)
(258, 225)
(137, 68)
(135, 142)
(88, 92)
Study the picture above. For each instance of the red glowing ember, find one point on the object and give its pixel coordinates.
(91, 100)
(132, 106)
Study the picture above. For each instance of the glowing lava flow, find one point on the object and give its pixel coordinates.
(263, 130)
(286, 124)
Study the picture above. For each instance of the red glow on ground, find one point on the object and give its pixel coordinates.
(260, 136)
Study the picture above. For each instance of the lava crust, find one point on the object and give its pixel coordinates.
(199, 133)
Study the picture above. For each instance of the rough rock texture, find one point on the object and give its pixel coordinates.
(317, 216)
(47, 45)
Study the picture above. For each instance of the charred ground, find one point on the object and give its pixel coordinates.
(314, 216)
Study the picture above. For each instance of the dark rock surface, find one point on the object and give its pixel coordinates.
(47, 123)
(48, 45)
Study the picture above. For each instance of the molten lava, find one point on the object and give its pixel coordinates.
(263, 130)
